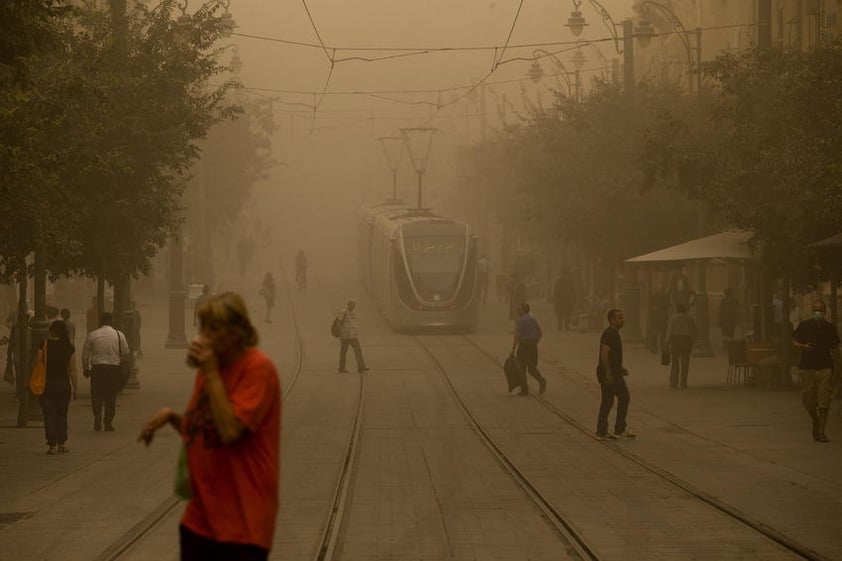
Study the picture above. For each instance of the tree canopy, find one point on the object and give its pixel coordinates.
(765, 155)
(100, 137)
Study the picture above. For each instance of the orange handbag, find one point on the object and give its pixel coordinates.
(38, 377)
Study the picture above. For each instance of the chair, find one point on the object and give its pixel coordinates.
(737, 362)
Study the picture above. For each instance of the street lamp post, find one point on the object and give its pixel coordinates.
(576, 22)
(419, 142)
(393, 149)
(644, 34)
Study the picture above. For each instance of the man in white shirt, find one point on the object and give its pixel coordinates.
(104, 350)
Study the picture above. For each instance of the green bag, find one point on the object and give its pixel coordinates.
(182, 477)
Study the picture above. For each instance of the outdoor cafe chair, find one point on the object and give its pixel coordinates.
(738, 364)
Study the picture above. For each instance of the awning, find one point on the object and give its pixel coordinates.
(725, 245)
(827, 243)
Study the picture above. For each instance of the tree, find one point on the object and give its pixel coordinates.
(573, 168)
(762, 158)
(112, 128)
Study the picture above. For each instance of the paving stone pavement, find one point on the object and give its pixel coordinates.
(747, 445)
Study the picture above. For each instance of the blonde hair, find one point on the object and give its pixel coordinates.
(230, 309)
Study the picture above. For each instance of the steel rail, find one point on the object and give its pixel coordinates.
(575, 542)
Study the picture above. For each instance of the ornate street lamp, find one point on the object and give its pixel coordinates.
(536, 72)
(576, 22)
(645, 31)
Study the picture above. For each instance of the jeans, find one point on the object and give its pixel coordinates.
(358, 353)
(619, 389)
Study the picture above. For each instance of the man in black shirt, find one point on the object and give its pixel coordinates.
(818, 341)
(610, 373)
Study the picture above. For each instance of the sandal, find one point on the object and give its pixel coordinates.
(62, 449)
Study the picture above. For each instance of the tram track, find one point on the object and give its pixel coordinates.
(334, 525)
(575, 543)
(730, 511)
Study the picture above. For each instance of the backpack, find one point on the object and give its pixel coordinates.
(336, 326)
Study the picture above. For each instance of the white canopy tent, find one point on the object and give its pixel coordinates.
(724, 245)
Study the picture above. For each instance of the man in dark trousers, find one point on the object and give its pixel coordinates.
(104, 350)
(527, 335)
(818, 341)
(611, 375)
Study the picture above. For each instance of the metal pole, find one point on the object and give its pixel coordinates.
(21, 350)
(394, 184)
(38, 327)
(698, 60)
(482, 121)
(628, 58)
(631, 287)
(420, 176)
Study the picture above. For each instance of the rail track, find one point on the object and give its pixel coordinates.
(801, 550)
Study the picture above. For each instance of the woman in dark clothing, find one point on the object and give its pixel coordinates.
(61, 372)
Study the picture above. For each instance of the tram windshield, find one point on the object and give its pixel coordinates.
(435, 264)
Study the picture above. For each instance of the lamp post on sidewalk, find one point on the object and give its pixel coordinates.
(419, 142)
(576, 23)
(644, 34)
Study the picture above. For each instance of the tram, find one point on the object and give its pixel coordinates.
(420, 268)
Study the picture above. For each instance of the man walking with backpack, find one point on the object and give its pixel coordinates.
(349, 337)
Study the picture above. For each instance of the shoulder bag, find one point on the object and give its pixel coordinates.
(125, 365)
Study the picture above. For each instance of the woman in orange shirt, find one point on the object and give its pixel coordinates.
(231, 432)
